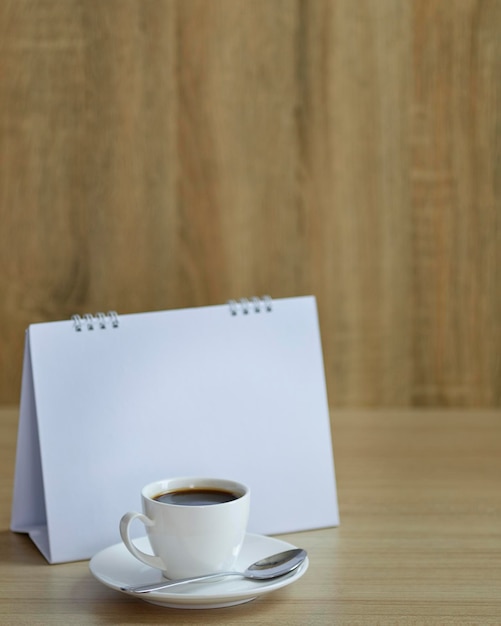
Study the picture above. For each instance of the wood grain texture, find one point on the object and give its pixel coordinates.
(182, 152)
(419, 541)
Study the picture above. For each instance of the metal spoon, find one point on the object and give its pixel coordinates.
(264, 569)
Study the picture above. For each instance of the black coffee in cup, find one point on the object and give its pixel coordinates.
(196, 496)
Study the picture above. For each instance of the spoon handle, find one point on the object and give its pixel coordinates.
(173, 583)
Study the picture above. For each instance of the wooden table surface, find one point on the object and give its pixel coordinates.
(419, 541)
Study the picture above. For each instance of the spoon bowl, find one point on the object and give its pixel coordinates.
(268, 568)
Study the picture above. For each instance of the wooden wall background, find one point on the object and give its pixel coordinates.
(174, 153)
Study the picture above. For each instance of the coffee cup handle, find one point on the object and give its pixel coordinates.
(125, 522)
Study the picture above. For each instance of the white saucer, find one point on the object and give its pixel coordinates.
(115, 567)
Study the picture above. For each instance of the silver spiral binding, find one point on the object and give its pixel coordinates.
(99, 320)
(89, 320)
(255, 305)
(77, 322)
(113, 315)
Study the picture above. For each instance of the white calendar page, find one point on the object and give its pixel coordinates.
(188, 392)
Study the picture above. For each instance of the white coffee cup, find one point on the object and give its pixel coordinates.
(191, 539)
